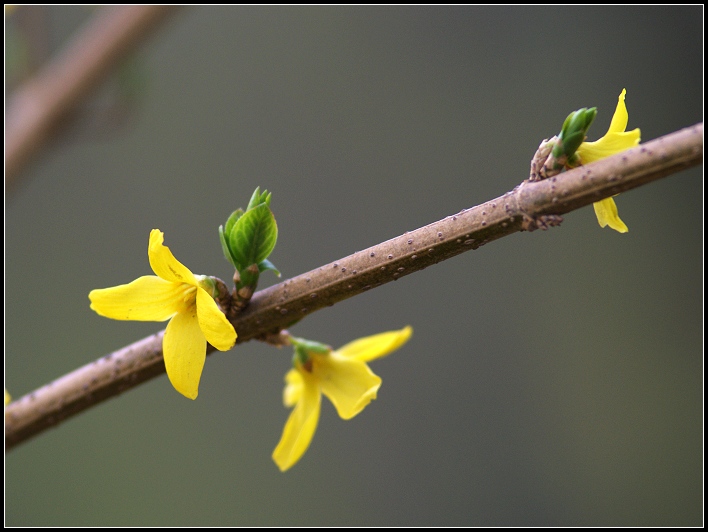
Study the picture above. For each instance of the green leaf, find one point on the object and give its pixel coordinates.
(253, 237)
(255, 199)
(225, 247)
(268, 265)
(259, 197)
(574, 131)
(232, 221)
(225, 231)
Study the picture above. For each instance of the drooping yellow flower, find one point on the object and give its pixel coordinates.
(615, 140)
(343, 376)
(178, 294)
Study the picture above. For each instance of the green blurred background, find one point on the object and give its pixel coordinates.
(553, 378)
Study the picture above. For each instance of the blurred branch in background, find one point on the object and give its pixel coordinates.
(282, 305)
(38, 105)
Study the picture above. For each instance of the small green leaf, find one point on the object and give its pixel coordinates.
(254, 235)
(255, 199)
(225, 247)
(259, 197)
(574, 132)
(232, 220)
(268, 265)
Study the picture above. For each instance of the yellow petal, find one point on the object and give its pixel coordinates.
(376, 346)
(216, 328)
(614, 142)
(148, 298)
(606, 212)
(348, 383)
(621, 117)
(184, 350)
(293, 388)
(7, 398)
(299, 429)
(164, 264)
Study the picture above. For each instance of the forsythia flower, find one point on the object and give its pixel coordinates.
(175, 293)
(615, 140)
(341, 375)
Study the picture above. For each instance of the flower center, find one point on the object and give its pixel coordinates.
(187, 293)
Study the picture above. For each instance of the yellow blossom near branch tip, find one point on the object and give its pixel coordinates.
(174, 293)
(343, 376)
(615, 140)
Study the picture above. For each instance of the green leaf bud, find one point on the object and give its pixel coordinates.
(573, 132)
(208, 284)
(257, 198)
(253, 237)
(268, 265)
(310, 346)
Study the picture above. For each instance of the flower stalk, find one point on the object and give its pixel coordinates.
(141, 361)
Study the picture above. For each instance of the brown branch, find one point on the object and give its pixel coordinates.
(281, 305)
(36, 107)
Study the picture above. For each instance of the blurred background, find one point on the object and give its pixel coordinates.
(553, 378)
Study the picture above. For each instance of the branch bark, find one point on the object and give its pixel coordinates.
(281, 305)
(35, 108)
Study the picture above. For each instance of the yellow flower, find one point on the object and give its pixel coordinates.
(615, 141)
(175, 293)
(343, 377)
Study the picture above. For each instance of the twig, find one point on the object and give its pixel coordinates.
(37, 106)
(281, 305)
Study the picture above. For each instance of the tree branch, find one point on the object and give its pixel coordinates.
(281, 305)
(37, 106)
